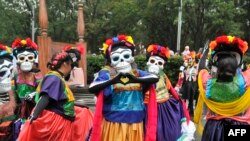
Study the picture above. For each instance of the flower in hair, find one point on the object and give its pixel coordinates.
(79, 47)
(128, 40)
(229, 40)
(5, 49)
(192, 54)
(161, 51)
(27, 43)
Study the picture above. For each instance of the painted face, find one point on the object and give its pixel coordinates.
(6, 69)
(190, 61)
(26, 60)
(155, 64)
(121, 60)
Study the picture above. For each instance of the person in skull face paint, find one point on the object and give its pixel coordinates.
(55, 117)
(119, 88)
(25, 80)
(173, 120)
(7, 100)
(226, 94)
(189, 84)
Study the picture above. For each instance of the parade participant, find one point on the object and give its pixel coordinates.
(226, 95)
(172, 112)
(186, 51)
(119, 87)
(55, 117)
(25, 79)
(76, 76)
(189, 83)
(7, 100)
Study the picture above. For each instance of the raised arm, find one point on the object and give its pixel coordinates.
(202, 62)
(102, 81)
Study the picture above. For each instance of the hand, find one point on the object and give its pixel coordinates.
(131, 78)
(117, 78)
(188, 130)
(29, 97)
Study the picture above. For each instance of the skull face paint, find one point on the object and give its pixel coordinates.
(26, 60)
(121, 60)
(6, 69)
(155, 64)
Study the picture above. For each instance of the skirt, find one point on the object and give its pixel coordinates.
(214, 129)
(113, 131)
(169, 118)
(50, 126)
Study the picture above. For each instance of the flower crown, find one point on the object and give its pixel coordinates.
(5, 49)
(161, 51)
(120, 38)
(27, 43)
(192, 55)
(79, 47)
(229, 40)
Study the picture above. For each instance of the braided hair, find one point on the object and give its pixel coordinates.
(58, 59)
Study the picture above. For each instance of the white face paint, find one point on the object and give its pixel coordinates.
(155, 64)
(6, 69)
(26, 60)
(121, 60)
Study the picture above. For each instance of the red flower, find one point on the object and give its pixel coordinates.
(163, 51)
(80, 47)
(122, 37)
(16, 43)
(222, 39)
(2, 47)
(109, 42)
(67, 47)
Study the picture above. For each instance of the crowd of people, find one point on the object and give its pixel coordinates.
(132, 104)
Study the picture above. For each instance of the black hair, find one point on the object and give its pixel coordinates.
(227, 48)
(227, 66)
(74, 53)
(55, 63)
(22, 49)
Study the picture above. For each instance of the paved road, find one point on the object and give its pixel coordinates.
(85, 99)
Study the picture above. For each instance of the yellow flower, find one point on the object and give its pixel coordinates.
(104, 47)
(230, 38)
(23, 42)
(130, 39)
(8, 49)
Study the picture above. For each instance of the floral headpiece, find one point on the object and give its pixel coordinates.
(192, 55)
(6, 49)
(127, 40)
(158, 50)
(18, 43)
(229, 40)
(79, 47)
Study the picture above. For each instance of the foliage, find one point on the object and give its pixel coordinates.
(95, 63)
(147, 21)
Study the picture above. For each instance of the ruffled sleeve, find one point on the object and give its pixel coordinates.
(53, 86)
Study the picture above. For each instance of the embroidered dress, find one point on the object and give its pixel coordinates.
(123, 108)
(60, 120)
(170, 111)
(228, 104)
(22, 88)
(7, 117)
